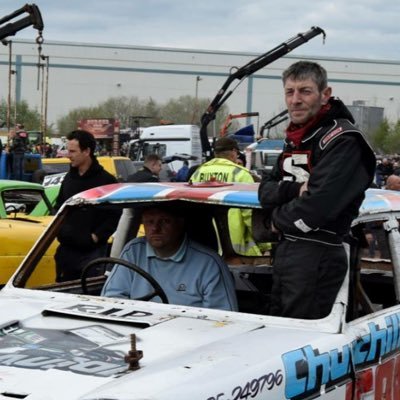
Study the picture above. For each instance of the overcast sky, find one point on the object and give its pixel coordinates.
(355, 28)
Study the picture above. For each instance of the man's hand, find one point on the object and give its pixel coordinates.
(95, 238)
(303, 188)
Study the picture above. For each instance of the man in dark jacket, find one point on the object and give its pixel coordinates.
(313, 194)
(84, 234)
(18, 148)
(383, 170)
(149, 172)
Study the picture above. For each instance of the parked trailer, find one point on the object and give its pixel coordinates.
(167, 140)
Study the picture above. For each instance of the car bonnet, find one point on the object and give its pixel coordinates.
(74, 347)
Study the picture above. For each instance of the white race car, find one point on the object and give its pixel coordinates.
(64, 341)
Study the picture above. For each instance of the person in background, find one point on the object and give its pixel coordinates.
(84, 233)
(150, 172)
(18, 148)
(393, 182)
(241, 159)
(182, 174)
(396, 167)
(225, 168)
(383, 170)
(1, 153)
(313, 193)
(190, 274)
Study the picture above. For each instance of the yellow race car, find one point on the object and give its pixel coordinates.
(20, 224)
(27, 208)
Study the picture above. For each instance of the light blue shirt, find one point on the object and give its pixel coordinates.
(194, 276)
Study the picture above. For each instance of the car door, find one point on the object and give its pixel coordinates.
(375, 335)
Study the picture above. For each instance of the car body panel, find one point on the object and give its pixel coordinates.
(19, 230)
(77, 343)
(118, 166)
(378, 201)
(182, 347)
(56, 168)
(12, 185)
(223, 193)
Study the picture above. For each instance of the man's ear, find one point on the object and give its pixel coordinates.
(326, 95)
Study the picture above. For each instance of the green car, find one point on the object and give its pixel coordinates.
(21, 222)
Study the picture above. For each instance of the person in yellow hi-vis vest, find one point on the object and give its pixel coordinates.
(224, 168)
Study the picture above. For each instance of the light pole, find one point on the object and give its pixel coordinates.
(198, 79)
(196, 96)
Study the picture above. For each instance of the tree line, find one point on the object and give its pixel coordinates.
(183, 110)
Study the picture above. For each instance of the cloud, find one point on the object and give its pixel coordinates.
(360, 28)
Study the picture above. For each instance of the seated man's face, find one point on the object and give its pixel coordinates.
(163, 231)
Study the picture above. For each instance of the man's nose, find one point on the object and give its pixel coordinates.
(296, 97)
(156, 226)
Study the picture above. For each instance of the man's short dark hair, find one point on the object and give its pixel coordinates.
(85, 139)
(226, 144)
(150, 158)
(302, 70)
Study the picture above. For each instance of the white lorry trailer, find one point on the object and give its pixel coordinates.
(167, 140)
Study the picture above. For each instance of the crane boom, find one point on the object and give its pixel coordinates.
(34, 18)
(244, 72)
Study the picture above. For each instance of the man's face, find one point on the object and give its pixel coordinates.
(155, 167)
(163, 231)
(77, 156)
(304, 100)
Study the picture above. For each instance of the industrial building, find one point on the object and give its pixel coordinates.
(83, 75)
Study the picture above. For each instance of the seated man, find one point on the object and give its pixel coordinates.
(189, 273)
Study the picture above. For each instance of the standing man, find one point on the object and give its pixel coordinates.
(149, 172)
(224, 167)
(313, 194)
(18, 148)
(84, 234)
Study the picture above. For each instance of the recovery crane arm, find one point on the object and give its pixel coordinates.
(230, 117)
(245, 71)
(34, 18)
(282, 116)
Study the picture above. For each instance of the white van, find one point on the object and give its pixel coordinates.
(261, 156)
(167, 140)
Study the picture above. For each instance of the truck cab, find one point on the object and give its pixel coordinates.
(167, 140)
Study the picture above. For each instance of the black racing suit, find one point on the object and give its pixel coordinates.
(310, 261)
(77, 247)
